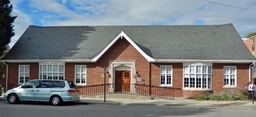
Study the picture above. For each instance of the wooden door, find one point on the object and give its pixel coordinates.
(122, 81)
(118, 81)
(126, 81)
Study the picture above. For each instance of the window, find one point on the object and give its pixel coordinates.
(166, 75)
(46, 84)
(23, 73)
(197, 76)
(80, 74)
(51, 70)
(58, 84)
(30, 84)
(71, 84)
(229, 76)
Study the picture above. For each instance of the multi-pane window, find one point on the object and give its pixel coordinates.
(23, 73)
(51, 70)
(166, 75)
(197, 76)
(229, 76)
(80, 74)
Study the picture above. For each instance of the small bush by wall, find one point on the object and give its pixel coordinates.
(228, 95)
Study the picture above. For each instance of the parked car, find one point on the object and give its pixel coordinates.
(53, 91)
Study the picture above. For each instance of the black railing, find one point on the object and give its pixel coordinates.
(92, 89)
(155, 91)
(140, 89)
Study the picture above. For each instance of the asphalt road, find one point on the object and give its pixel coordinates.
(30, 109)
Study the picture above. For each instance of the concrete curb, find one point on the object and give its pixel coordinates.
(162, 102)
(178, 102)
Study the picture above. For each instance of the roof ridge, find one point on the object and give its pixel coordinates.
(127, 25)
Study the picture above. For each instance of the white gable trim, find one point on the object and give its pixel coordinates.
(121, 35)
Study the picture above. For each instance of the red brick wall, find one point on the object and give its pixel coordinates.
(191, 93)
(123, 50)
(13, 73)
(249, 45)
(217, 79)
(177, 76)
(94, 74)
(217, 75)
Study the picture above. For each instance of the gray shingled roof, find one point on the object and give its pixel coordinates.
(199, 42)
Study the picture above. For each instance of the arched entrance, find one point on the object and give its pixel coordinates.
(122, 76)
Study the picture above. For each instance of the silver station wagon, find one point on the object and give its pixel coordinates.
(53, 91)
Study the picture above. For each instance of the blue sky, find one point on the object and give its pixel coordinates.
(241, 13)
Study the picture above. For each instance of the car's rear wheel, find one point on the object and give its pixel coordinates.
(12, 98)
(56, 100)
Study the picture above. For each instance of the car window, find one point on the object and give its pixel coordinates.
(71, 84)
(45, 84)
(58, 84)
(30, 84)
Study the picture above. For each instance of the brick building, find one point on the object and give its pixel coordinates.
(250, 44)
(195, 58)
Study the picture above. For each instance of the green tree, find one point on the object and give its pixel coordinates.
(6, 26)
(2, 65)
(6, 29)
(250, 35)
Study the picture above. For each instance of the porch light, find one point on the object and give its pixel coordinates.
(108, 75)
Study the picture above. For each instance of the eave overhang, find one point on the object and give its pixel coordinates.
(156, 61)
(200, 61)
(48, 60)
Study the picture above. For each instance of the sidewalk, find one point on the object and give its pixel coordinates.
(166, 102)
(163, 102)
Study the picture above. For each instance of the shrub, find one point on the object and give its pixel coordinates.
(229, 95)
(201, 97)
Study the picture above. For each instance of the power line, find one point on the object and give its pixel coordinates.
(229, 5)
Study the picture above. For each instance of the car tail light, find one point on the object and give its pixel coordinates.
(72, 91)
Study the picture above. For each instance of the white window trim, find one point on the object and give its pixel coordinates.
(230, 86)
(166, 85)
(52, 63)
(24, 74)
(80, 84)
(197, 64)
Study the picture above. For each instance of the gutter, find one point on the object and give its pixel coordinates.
(47, 60)
(6, 76)
(251, 67)
(206, 61)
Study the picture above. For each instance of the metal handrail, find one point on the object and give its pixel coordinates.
(141, 89)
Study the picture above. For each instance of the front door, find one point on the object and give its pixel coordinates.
(122, 81)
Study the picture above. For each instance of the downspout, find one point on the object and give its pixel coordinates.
(150, 79)
(6, 76)
(250, 71)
